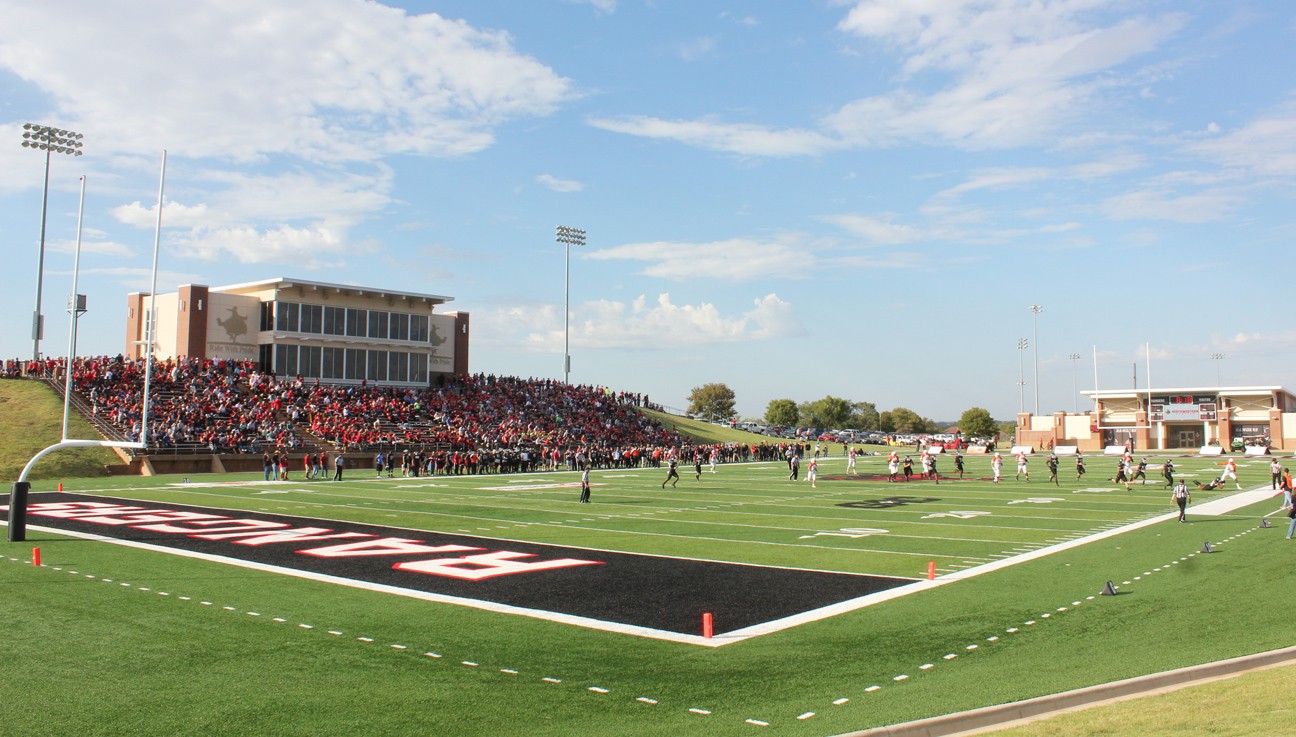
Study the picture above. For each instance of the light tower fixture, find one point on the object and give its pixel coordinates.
(51, 141)
(1022, 345)
(1075, 386)
(1217, 357)
(1035, 310)
(568, 237)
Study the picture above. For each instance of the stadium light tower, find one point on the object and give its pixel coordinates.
(1035, 310)
(568, 237)
(51, 141)
(1217, 357)
(1022, 344)
(1075, 386)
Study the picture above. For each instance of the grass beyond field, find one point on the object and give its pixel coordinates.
(105, 639)
(1250, 704)
(32, 418)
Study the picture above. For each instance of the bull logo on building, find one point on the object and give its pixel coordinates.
(234, 325)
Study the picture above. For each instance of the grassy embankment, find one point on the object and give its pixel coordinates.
(32, 419)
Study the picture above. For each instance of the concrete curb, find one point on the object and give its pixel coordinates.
(1004, 715)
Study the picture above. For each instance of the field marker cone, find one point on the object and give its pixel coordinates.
(707, 630)
(931, 570)
(36, 557)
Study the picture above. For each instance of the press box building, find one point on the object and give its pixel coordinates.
(338, 333)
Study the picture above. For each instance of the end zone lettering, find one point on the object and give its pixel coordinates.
(256, 532)
(649, 595)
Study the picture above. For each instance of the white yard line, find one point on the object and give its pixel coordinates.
(1218, 507)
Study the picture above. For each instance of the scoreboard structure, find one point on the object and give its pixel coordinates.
(1184, 407)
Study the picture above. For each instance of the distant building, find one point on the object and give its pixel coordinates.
(1162, 419)
(337, 333)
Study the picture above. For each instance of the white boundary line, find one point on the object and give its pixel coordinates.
(1222, 505)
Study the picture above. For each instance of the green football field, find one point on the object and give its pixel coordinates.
(108, 639)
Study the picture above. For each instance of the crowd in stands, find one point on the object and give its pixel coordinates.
(472, 424)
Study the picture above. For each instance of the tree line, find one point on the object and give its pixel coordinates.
(716, 402)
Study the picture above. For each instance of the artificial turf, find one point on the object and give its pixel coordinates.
(96, 657)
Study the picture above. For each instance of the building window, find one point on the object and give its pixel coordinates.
(308, 362)
(418, 368)
(267, 316)
(285, 360)
(312, 319)
(399, 326)
(355, 364)
(334, 360)
(357, 323)
(377, 365)
(335, 321)
(286, 316)
(378, 324)
(398, 366)
(419, 328)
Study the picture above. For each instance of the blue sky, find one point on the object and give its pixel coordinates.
(851, 197)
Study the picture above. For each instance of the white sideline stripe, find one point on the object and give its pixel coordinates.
(384, 588)
(1234, 501)
(913, 588)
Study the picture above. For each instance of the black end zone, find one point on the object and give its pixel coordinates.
(659, 593)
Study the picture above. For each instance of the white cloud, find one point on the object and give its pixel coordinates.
(877, 230)
(331, 80)
(1014, 73)
(91, 245)
(603, 6)
(1018, 69)
(319, 92)
(738, 138)
(1159, 204)
(1265, 146)
(560, 185)
(273, 219)
(737, 259)
(1014, 177)
(174, 214)
(639, 324)
(696, 48)
(304, 247)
